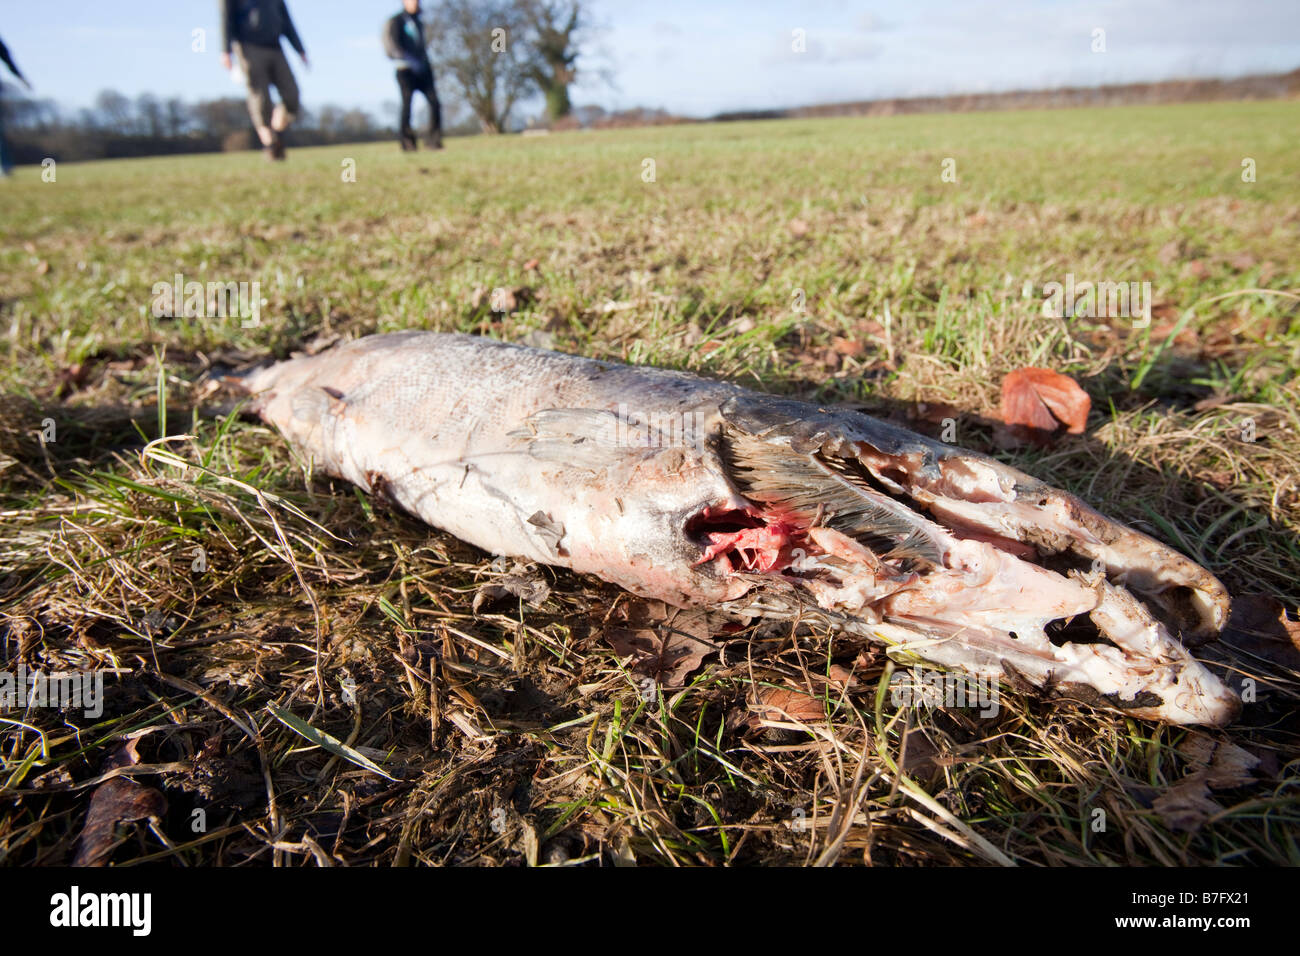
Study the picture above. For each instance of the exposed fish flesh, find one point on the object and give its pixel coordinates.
(701, 493)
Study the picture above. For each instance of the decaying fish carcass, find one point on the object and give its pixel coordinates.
(706, 494)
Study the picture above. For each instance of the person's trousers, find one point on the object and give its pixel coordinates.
(265, 67)
(412, 82)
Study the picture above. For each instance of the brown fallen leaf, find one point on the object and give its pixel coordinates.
(666, 643)
(1165, 312)
(665, 658)
(789, 703)
(1186, 805)
(1214, 764)
(1187, 337)
(786, 705)
(840, 676)
(115, 801)
(124, 755)
(530, 265)
(1243, 262)
(798, 228)
(1042, 400)
(921, 758)
(848, 347)
(1220, 764)
(522, 583)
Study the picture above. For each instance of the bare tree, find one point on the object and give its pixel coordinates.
(115, 111)
(483, 45)
(356, 124)
(221, 117)
(150, 114)
(329, 119)
(177, 115)
(555, 27)
(25, 112)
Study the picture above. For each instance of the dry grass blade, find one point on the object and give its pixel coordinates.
(322, 739)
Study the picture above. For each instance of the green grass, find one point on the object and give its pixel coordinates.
(327, 631)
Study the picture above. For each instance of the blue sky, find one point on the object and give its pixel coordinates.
(694, 57)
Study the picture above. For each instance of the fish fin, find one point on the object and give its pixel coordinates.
(877, 513)
(770, 472)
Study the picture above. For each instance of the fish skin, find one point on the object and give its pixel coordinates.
(434, 416)
(628, 473)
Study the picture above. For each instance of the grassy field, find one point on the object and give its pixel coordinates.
(517, 734)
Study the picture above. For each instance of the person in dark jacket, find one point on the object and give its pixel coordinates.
(6, 161)
(404, 43)
(252, 30)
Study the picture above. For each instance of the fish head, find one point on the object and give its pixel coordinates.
(955, 558)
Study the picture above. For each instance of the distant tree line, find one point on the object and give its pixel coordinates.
(1194, 90)
(119, 126)
(146, 125)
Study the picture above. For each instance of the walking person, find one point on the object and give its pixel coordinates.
(6, 160)
(252, 29)
(404, 43)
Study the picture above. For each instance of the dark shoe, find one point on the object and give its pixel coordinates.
(434, 141)
(277, 148)
(409, 145)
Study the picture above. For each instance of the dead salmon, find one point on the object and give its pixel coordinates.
(701, 493)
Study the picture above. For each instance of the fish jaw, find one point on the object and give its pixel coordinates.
(764, 506)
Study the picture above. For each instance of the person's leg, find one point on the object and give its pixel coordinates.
(290, 105)
(407, 87)
(286, 111)
(435, 112)
(257, 74)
